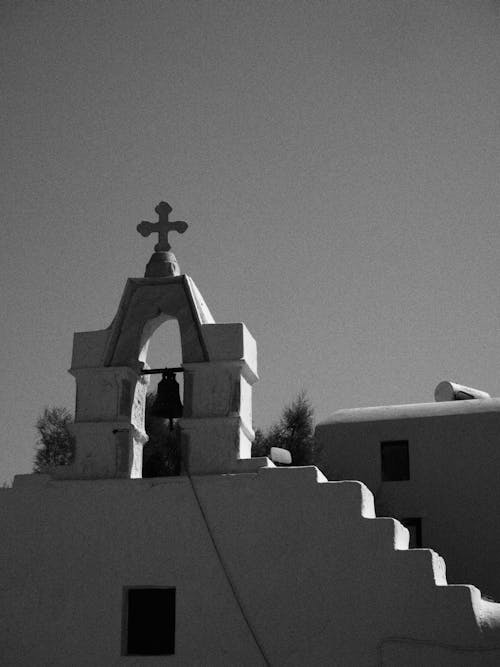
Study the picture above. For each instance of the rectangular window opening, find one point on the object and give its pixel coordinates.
(395, 460)
(149, 621)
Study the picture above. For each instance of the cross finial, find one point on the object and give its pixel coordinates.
(162, 227)
(163, 263)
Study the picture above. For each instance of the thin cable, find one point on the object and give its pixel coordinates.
(226, 573)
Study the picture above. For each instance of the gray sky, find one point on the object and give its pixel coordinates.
(337, 163)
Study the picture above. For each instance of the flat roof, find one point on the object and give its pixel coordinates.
(413, 411)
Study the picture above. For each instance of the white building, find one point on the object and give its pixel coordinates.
(435, 467)
(235, 562)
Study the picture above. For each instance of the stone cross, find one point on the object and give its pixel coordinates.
(162, 227)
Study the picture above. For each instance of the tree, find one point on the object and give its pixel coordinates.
(55, 446)
(260, 446)
(294, 432)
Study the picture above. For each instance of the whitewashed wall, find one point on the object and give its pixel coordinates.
(319, 581)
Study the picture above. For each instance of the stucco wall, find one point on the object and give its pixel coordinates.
(319, 582)
(454, 457)
(71, 548)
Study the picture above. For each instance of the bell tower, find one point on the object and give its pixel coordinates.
(219, 363)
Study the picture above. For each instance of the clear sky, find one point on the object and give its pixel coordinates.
(338, 164)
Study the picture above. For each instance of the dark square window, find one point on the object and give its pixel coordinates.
(414, 525)
(395, 460)
(149, 621)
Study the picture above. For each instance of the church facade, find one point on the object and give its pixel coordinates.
(235, 561)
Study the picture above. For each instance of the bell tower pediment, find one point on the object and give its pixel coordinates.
(219, 363)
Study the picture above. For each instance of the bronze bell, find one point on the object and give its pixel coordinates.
(168, 402)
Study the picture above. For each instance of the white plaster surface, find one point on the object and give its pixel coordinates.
(220, 362)
(231, 342)
(454, 464)
(214, 444)
(154, 300)
(105, 449)
(217, 389)
(410, 653)
(202, 310)
(104, 393)
(281, 551)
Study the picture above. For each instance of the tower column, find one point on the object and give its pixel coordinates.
(216, 430)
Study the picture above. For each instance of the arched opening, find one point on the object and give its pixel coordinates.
(161, 349)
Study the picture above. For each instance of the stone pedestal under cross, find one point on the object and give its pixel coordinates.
(162, 262)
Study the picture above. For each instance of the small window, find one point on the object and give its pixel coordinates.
(414, 525)
(395, 460)
(149, 621)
